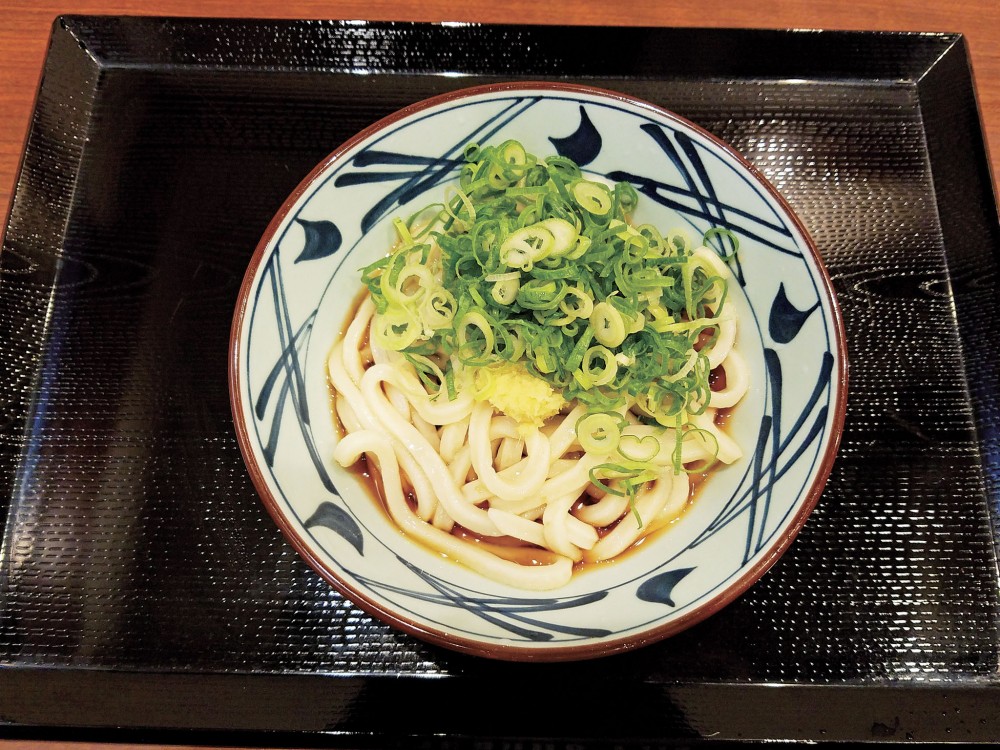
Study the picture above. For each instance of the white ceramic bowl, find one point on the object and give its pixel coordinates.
(303, 279)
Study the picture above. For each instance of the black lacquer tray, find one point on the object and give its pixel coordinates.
(146, 594)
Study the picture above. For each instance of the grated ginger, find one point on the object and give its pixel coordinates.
(518, 394)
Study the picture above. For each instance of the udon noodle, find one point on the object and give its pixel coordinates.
(523, 498)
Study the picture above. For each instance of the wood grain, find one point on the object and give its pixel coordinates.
(25, 27)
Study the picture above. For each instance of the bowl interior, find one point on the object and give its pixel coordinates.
(304, 281)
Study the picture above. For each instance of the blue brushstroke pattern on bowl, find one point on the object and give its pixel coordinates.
(305, 278)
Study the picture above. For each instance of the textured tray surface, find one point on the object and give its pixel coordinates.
(134, 540)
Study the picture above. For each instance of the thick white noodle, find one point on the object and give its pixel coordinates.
(528, 480)
(724, 343)
(574, 480)
(557, 534)
(518, 527)
(737, 382)
(583, 535)
(501, 427)
(725, 449)
(345, 413)
(428, 430)
(398, 400)
(471, 517)
(453, 438)
(460, 466)
(349, 392)
(649, 504)
(727, 323)
(466, 464)
(354, 337)
(529, 577)
(441, 519)
(680, 496)
(440, 412)
(560, 465)
(510, 452)
(605, 511)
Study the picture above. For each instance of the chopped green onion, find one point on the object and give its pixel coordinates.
(396, 329)
(504, 291)
(600, 432)
(641, 449)
(526, 260)
(599, 365)
(608, 324)
(593, 197)
(727, 234)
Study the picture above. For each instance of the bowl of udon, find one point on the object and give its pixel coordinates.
(538, 372)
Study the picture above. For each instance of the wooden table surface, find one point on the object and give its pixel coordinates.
(25, 26)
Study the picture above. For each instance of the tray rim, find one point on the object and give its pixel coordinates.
(28, 672)
(74, 24)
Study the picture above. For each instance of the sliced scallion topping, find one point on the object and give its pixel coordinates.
(529, 261)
